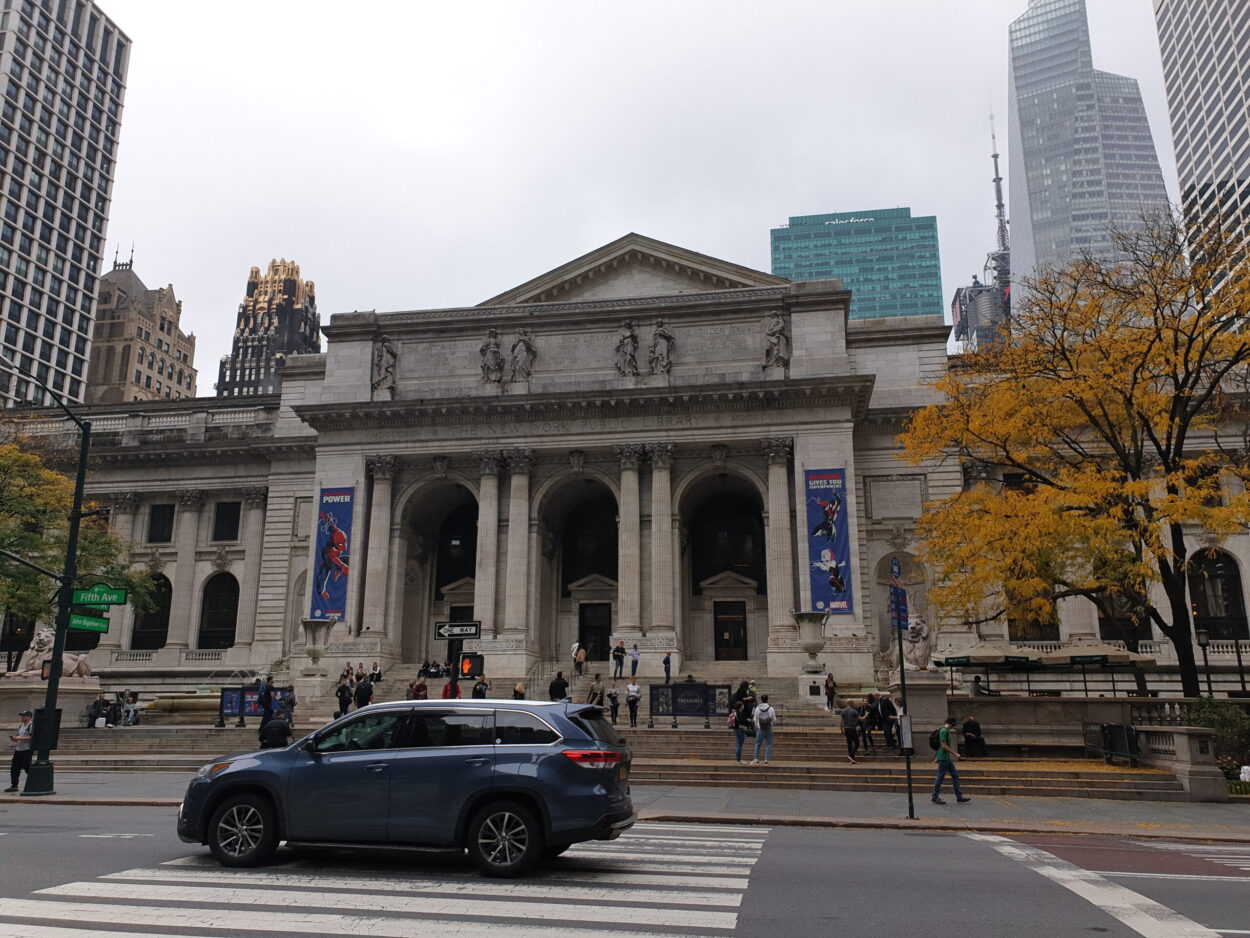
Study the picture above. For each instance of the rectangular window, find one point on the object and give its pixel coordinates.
(226, 521)
(161, 524)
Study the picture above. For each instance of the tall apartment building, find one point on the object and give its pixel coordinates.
(278, 317)
(1206, 68)
(63, 70)
(1081, 155)
(885, 257)
(139, 351)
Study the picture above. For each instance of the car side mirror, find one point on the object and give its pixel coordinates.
(310, 746)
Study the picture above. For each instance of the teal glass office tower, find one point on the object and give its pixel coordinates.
(885, 257)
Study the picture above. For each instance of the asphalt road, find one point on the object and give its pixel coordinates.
(74, 872)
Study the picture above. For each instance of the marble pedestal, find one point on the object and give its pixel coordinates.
(926, 702)
(74, 695)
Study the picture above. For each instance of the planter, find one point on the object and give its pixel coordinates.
(811, 638)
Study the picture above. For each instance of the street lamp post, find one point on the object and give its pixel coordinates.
(1203, 638)
(40, 777)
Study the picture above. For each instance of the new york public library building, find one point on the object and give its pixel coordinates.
(645, 445)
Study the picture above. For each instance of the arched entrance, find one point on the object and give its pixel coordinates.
(1215, 595)
(724, 575)
(577, 571)
(219, 612)
(438, 541)
(152, 628)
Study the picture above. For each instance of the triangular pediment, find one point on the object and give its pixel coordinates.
(593, 582)
(633, 266)
(465, 584)
(727, 579)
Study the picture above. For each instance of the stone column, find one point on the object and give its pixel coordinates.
(516, 600)
(487, 566)
(182, 603)
(779, 544)
(662, 588)
(254, 498)
(377, 561)
(122, 521)
(629, 553)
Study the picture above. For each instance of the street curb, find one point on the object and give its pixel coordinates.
(937, 826)
(94, 802)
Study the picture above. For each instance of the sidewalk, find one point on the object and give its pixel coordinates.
(713, 805)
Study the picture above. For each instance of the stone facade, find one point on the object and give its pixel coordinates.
(557, 501)
(139, 351)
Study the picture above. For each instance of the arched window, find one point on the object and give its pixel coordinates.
(152, 628)
(590, 541)
(219, 612)
(1215, 595)
(727, 534)
(457, 545)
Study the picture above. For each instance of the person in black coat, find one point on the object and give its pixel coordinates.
(276, 734)
(559, 688)
(364, 694)
(974, 742)
(344, 694)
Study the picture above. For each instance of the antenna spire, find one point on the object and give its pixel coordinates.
(1000, 209)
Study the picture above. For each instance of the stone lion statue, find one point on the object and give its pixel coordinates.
(31, 662)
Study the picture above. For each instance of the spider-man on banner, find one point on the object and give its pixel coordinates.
(334, 532)
(828, 542)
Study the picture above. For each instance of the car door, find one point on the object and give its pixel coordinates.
(339, 788)
(448, 758)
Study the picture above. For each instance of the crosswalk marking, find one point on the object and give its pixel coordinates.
(646, 884)
(1237, 858)
(511, 889)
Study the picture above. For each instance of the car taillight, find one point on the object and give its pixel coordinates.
(593, 758)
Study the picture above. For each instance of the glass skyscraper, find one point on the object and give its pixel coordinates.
(1081, 155)
(1206, 67)
(885, 257)
(63, 73)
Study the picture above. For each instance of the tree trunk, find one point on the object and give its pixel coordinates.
(1180, 635)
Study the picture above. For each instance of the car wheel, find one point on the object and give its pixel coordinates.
(554, 850)
(243, 831)
(504, 839)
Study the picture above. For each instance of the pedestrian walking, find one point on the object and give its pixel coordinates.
(559, 687)
(738, 722)
(264, 700)
(581, 661)
(21, 750)
(743, 695)
(633, 693)
(887, 718)
(451, 691)
(866, 724)
(614, 702)
(480, 688)
(344, 694)
(618, 660)
(945, 758)
(668, 666)
(763, 720)
(576, 646)
(831, 692)
(850, 729)
(421, 691)
(364, 693)
(595, 696)
(287, 705)
(634, 655)
(518, 691)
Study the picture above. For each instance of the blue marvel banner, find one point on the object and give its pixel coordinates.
(334, 534)
(828, 541)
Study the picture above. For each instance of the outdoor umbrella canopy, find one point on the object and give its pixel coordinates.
(1094, 654)
(987, 653)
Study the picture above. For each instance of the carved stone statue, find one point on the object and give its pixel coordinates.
(918, 644)
(627, 350)
(777, 344)
(40, 650)
(662, 343)
(384, 359)
(492, 358)
(523, 355)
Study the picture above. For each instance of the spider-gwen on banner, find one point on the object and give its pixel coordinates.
(334, 537)
(828, 541)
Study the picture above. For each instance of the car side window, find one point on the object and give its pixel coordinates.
(378, 730)
(517, 728)
(439, 728)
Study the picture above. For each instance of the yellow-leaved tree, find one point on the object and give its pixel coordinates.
(1103, 440)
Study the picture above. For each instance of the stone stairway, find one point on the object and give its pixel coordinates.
(802, 759)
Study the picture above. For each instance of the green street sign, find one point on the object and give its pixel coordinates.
(100, 595)
(88, 623)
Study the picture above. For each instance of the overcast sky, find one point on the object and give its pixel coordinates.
(422, 154)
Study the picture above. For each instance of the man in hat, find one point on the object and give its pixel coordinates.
(21, 750)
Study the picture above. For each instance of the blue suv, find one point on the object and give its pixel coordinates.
(511, 782)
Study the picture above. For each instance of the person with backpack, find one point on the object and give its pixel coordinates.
(850, 729)
(738, 722)
(945, 756)
(763, 719)
(364, 694)
(264, 700)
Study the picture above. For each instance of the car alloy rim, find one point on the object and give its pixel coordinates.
(240, 829)
(503, 838)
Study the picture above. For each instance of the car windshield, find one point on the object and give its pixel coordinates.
(592, 721)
